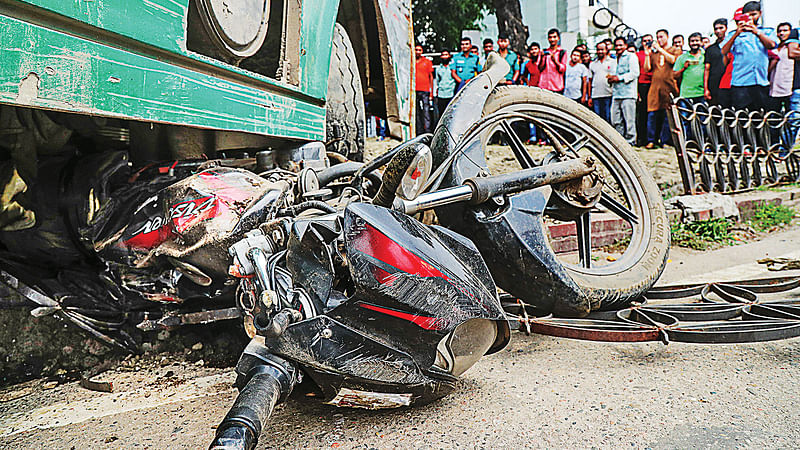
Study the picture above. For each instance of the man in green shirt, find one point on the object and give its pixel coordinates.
(510, 57)
(691, 67)
(444, 84)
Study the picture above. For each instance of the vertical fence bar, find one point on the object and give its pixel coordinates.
(679, 142)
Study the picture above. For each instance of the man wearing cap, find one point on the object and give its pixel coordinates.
(511, 58)
(749, 45)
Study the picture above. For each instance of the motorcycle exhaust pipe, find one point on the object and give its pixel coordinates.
(478, 190)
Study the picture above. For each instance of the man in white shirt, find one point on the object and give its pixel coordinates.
(575, 78)
(600, 68)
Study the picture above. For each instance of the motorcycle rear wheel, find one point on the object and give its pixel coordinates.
(630, 194)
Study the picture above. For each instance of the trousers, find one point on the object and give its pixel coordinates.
(658, 128)
(641, 114)
(623, 117)
(423, 112)
(602, 107)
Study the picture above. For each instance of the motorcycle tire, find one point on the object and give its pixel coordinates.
(615, 287)
(345, 118)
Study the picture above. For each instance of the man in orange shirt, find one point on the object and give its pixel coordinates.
(423, 85)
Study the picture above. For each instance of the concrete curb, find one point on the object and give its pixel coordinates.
(746, 204)
(610, 229)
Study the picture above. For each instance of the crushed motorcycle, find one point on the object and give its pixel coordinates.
(381, 287)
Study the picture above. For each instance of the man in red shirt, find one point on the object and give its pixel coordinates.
(530, 72)
(423, 84)
(645, 78)
(553, 64)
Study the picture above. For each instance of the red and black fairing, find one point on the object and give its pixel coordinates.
(187, 227)
(413, 285)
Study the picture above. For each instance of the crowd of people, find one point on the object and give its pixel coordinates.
(748, 66)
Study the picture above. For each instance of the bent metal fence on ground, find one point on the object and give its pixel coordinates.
(728, 150)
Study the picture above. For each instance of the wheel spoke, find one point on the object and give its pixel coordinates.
(579, 143)
(524, 158)
(583, 224)
(617, 208)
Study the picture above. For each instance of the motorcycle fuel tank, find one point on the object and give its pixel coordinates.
(191, 224)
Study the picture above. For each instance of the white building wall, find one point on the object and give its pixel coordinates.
(572, 17)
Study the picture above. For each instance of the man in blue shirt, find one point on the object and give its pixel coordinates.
(511, 58)
(749, 45)
(624, 91)
(465, 64)
(488, 47)
(445, 85)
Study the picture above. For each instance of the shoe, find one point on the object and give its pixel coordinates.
(650, 146)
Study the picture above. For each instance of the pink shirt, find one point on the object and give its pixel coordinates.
(552, 77)
(783, 75)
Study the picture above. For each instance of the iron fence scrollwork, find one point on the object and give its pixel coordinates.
(729, 150)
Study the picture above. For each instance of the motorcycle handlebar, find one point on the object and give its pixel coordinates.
(478, 190)
(484, 188)
(252, 408)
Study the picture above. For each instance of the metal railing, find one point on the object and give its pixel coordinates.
(728, 150)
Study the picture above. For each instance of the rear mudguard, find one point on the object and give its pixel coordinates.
(514, 244)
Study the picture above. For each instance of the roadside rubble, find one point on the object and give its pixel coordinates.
(693, 207)
(740, 207)
(47, 347)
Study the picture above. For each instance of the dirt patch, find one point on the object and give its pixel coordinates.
(53, 349)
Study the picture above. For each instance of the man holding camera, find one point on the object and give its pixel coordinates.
(749, 45)
(645, 79)
(660, 61)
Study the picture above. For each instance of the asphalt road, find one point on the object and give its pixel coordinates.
(539, 392)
